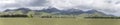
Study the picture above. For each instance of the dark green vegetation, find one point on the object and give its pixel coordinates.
(103, 17)
(17, 15)
(32, 14)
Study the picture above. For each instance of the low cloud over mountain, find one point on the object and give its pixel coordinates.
(105, 6)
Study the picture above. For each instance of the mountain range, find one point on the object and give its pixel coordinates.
(56, 11)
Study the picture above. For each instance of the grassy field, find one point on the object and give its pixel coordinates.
(57, 21)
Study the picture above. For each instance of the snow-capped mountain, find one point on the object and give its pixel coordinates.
(50, 10)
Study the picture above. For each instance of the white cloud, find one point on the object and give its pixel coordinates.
(7, 1)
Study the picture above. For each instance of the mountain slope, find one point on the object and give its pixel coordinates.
(23, 10)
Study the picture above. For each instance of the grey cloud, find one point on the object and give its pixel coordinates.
(26, 3)
(38, 3)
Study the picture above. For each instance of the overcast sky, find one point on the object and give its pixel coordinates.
(106, 6)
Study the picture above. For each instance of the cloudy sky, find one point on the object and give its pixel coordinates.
(106, 6)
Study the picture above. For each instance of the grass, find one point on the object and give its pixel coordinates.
(57, 21)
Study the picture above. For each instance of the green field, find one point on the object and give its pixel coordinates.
(57, 21)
